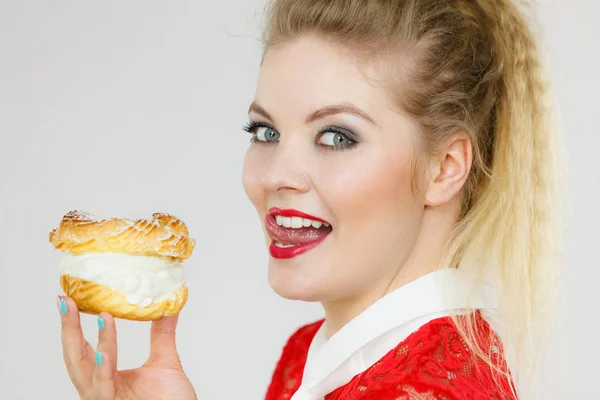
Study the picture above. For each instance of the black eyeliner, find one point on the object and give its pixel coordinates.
(343, 131)
(251, 126)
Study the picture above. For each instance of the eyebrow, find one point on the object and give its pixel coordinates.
(254, 107)
(343, 108)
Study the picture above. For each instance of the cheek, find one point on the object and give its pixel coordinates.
(371, 200)
(373, 186)
(252, 177)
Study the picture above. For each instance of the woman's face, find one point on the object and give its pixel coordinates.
(330, 174)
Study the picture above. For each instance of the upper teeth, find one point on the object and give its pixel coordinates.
(298, 222)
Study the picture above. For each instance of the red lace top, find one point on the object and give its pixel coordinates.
(433, 363)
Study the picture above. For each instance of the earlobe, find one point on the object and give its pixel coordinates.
(449, 170)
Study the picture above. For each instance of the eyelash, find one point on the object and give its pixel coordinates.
(252, 126)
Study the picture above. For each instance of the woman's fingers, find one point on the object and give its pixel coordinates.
(107, 337)
(77, 352)
(92, 372)
(163, 349)
(105, 359)
(104, 384)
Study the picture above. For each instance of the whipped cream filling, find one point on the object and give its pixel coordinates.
(142, 279)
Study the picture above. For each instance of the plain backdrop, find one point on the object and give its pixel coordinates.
(124, 108)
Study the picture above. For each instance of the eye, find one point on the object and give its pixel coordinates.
(266, 134)
(334, 139)
(261, 132)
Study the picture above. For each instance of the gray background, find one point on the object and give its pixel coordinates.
(123, 108)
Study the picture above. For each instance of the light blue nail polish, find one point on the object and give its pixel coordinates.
(63, 306)
(98, 358)
(100, 323)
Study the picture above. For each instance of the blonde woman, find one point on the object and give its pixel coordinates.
(402, 166)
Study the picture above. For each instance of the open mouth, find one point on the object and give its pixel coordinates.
(294, 232)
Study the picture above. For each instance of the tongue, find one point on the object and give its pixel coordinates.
(295, 235)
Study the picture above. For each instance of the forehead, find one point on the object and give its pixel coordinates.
(310, 73)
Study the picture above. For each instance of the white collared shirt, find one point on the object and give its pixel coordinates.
(380, 328)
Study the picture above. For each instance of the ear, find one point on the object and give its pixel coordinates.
(449, 170)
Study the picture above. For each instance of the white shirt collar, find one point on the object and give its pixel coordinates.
(381, 327)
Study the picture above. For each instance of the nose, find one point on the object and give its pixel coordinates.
(286, 170)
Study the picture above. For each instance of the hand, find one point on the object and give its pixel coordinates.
(94, 373)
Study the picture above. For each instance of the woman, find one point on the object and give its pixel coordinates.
(402, 166)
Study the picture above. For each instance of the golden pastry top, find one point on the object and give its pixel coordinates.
(163, 235)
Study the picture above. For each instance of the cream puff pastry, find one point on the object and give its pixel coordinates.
(128, 268)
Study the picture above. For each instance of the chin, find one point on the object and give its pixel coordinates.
(293, 283)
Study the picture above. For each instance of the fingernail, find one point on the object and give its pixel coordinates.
(98, 358)
(62, 305)
(100, 323)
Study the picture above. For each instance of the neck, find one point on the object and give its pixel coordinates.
(424, 257)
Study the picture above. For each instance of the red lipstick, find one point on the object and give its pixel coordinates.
(291, 252)
(296, 241)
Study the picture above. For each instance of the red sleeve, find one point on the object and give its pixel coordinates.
(287, 376)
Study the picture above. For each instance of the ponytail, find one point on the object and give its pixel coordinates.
(515, 214)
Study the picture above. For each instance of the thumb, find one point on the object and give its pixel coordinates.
(163, 349)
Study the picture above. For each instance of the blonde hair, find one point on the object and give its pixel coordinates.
(473, 66)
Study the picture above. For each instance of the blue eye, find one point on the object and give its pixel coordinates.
(334, 139)
(266, 134)
(261, 132)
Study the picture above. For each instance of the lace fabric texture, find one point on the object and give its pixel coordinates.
(433, 363)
